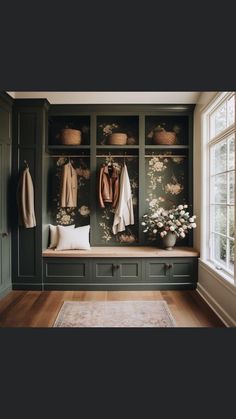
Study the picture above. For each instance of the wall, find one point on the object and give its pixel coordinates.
(219, 294)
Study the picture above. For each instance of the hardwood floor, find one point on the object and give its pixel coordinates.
(40, 308)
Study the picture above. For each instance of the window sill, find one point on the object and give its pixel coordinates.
(222, 277)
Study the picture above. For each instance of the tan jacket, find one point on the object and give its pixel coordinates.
(68, 188)
(108, 186)
(25, 200)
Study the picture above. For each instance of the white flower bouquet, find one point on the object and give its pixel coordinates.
(176, 220)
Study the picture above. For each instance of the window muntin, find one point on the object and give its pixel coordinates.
(222, 117)
(221, 220)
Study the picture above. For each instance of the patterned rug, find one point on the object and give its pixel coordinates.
(114, 314)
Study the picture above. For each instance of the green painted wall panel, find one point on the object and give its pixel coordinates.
(5, 193)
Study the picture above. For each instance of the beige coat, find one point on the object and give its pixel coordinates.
(69, 185)
(25, 199)
(124, 214)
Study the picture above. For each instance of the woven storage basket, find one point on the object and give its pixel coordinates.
(164, 137)
(117, 138)
(69, 136)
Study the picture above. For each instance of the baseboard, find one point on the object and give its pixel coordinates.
(215, 306)
(117, 287)
(5, 291)
(27, 287)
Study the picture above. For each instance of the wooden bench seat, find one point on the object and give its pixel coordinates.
(131, 251)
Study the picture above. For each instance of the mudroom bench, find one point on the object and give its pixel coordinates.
(120, 268)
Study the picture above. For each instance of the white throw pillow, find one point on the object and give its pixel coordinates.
(70, 239)
(54, 234)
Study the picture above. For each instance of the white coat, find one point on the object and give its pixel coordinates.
(124, 214)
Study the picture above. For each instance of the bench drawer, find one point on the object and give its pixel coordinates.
(62, 270)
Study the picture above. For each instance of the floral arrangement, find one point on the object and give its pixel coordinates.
(108, 129)
(176, 220)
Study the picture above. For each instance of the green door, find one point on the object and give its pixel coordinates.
(5, 171)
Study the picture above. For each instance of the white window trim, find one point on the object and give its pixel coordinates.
(205, 182)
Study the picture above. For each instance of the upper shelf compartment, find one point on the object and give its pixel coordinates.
(69, 131)
(170, 131)
(118, 131)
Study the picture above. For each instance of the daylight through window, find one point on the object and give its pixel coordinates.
(221, 147)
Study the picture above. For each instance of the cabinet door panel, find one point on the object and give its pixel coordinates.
(129, 270)
(64, 271)
(5, 177)
(183, 270)
(103, 271)
(157, 271)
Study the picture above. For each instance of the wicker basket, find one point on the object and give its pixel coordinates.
(69, 136)
(117, 138)
(164, 137)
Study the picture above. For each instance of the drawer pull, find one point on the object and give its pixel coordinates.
(116, 266)
(168, 265)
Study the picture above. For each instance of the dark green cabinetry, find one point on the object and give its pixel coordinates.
(119, 273)
(172, 271)
(65, 271)
(29, 131)
(35, 139)
(5, 193)
(116, 270)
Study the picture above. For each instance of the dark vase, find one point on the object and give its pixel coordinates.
(169, 240)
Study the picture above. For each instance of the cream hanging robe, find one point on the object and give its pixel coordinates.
(68, 192)
(25, 199)
(124, 214)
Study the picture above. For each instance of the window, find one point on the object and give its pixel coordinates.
(220, 215)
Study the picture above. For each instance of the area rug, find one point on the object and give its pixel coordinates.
(114, 314)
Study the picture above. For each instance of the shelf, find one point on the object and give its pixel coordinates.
(171, 147)
(51, 149)
(67, 147)
(116, 147)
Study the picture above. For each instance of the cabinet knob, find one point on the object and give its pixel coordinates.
(4, 234)
(116, 266)
(168, 265)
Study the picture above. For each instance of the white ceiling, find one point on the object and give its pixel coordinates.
(111, 97)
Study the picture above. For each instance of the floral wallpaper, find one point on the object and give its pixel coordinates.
(105, 216)
(166, 181)
(81, 214)
(166, 184)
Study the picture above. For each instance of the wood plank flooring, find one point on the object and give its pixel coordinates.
(40, 308)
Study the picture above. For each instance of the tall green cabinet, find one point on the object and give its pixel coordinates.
(29, 131)
(5, 185)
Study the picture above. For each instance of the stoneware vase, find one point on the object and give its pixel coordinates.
(169, 240)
